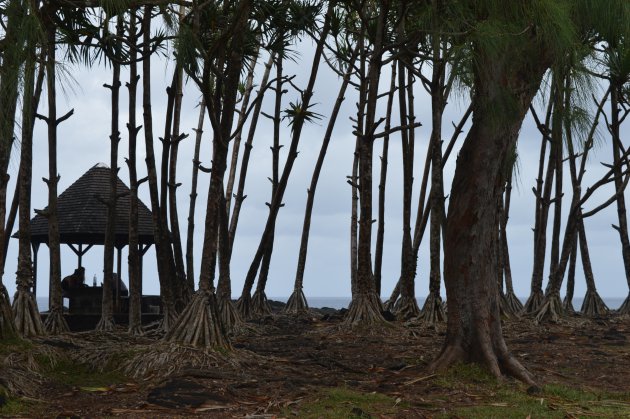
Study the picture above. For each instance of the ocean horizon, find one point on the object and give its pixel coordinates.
(343, 302)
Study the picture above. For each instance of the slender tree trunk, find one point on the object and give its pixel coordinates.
(55, 322)
(557, 144)
(380, 231)
(110, 283)
(28, 321)
(260, 305)
(183, 291)
(365, 308)
(135, 280)
(297, 303)
(512, 303)
(162, 248)
(543, 195)
(240, 197)
(276, 203)
(567, 304)
(593, 305)
(622, 227)
(190, 233)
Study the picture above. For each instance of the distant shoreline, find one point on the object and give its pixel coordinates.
(342, 302)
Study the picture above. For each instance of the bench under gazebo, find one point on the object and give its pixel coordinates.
(82, 215)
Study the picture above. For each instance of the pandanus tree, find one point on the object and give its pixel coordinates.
(365, 308)
(617, 57)
(55, 322)
(297, 303)
(135, 280)
(299, 113)
(222, 55)
(110, 283)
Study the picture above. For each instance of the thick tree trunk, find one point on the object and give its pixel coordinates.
(110, 284)
(474, 331)
(55, 322)
(26, 315)
(135, 280)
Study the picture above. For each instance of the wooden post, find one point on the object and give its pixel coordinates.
(118, 263)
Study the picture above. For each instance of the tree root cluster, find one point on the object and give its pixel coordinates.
(433, 310)
(406, 308)
(625, 307)
(7, 323)
(229, 315)
(297, 303)
(567, 304)
(28, 322)
(56, 324)
(498, 360)
(136, 330)
(260, 305)
(244, 306)
(551, 309)
(533, 303)
(199, 323)
(165, 359)
(593, 305)
(365, 310)
(511, 306)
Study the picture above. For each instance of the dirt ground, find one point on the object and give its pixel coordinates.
(310, 367)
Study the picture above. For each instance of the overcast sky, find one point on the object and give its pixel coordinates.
(83, 142)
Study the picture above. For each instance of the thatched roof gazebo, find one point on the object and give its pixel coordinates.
(82, 215)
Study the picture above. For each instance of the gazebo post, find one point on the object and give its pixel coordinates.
(80, 254)
(35, 249)
(143, 250)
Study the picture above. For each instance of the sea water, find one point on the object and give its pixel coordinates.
(343, 302)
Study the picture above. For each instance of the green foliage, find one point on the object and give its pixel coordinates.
(72, 373)
(342, 402)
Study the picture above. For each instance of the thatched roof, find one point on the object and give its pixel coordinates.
(83, 214)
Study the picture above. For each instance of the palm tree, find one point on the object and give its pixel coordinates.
(297, 304)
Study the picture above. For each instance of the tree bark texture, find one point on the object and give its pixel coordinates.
(162, 247)
(474, 332)
(26, 315)
(110, 284)
(135, 280)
